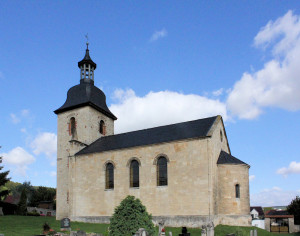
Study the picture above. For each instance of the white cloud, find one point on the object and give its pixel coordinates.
(218, 92)
(158, 34)
(161, 108)
(14, 118)
(278, 82)
(45, 143)
(19, 158)
(25, 112)
(272, 197)
(251, 177)
(293, 168)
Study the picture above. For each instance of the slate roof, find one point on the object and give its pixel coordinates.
(186, 130)
(258, 209)
(278, 214)
(87, 60)
(226, 158)
(86, 94)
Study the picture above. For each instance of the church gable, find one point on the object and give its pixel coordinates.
(175, 132)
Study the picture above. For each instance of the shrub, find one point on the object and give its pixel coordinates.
(129, 216)
(33, 214)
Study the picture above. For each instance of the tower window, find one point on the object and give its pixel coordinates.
(134, 174)
(162, 171)
(102, 127)
(221, 135)
(109, 176)
(237, 191)
(72, 128)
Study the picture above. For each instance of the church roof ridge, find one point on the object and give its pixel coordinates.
(161, 134)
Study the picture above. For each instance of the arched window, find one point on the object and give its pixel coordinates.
(102, 127)
(72, 128)
(109, 176)
(162, 171)
(134, 174)
(237, 191)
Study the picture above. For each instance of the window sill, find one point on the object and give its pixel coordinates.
(134, 187)
(162, 186)
(109, 189)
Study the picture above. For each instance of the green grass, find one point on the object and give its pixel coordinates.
(31, 225)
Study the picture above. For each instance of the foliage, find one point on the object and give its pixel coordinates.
(34, 213)
(294, 209)
(22, 206)
(3, 180)
(42, 194)
(129, 216)
(13, 187)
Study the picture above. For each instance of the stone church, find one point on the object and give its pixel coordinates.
(183, 173)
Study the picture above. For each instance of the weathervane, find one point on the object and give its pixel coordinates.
(87, 41)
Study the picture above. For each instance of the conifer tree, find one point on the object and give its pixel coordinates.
(3, 181)
(22, 206)
(129, 217)
(294, 209)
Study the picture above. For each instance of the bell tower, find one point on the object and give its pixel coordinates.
(81, 120)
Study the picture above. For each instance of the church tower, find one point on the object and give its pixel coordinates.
(81, 120)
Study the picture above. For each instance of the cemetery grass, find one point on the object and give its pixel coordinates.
(31, 225)
(13, 225)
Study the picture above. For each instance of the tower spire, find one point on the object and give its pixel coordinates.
(87, 66)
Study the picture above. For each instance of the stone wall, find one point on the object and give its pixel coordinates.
(87, 130)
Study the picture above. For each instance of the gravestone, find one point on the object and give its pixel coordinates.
(81, 233)
(184, 232)
(65, 224)
(141, 232)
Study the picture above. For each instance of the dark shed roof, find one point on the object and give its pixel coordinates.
(226, 158)
(86, 94)
(168, 133)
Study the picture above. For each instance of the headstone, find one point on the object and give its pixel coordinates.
(255, 233)
(170, 233)
(160, 226)
(251, 232)
(65, 224)
(141, 232)
(184, 232)
(81, 233)
(210, 229)
(203, 230)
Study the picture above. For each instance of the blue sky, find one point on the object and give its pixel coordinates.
(158, 62)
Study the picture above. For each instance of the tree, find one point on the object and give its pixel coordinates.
(294, 209)
(3, 181)
(22, 206)
(129, 216)
(42, 194)
(29, 190)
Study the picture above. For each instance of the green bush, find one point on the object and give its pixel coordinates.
(33, 214)
(129, 216)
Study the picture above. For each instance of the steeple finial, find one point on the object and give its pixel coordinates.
(87, 41)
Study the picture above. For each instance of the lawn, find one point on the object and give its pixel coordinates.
(31, 225)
